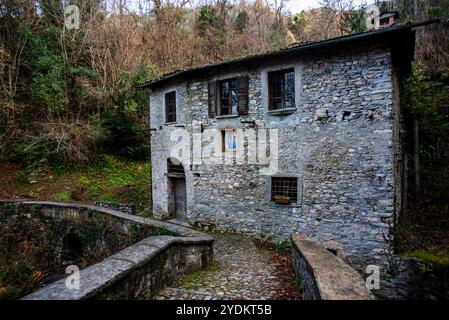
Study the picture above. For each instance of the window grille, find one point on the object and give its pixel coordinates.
(175, 169)
(284, 187)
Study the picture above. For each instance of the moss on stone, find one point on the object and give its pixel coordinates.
(193, 280)
(441, 259)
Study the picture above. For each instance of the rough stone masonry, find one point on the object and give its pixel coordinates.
(340, 141)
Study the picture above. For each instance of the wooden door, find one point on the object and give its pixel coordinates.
(180, 198)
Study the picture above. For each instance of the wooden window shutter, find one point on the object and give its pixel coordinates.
(242, 95)
(212, 99)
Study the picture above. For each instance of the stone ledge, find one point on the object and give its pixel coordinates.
(227, 116)
(281, 112)
(324, 276)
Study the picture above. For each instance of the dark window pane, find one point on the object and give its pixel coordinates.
(228, 97)
(282, 89)
(275, 90)
(234, 96)
(277, 103)
(289, 84)
(224, 94)
(170, 107)
(289, 102)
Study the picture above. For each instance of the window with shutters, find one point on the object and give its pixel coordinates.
(281, 88)
(228, 97)
(170, 107)
(228, 101)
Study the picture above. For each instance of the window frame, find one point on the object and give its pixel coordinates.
(219, 104)
(281, 77)
(170, 115)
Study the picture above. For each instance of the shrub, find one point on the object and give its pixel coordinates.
(63, 196)
(125, 124)
(282, 245)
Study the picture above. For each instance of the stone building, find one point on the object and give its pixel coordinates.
(326, 114)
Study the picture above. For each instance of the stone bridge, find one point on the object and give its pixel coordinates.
(151, 254)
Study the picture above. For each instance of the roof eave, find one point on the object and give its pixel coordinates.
(304, 47)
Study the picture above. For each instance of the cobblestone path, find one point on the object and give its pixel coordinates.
(241, 270)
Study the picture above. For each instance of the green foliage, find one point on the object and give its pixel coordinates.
(48, 88)
(193, 280)
(442, 259)
(108, 178)
(122, 174)
(440, 10)
(209, 23)
(83, 181)
(300, 18)
(60, 91)
(96, 190)
(428, 100)
(82, 71)
(425, 228)
(24, 255)
(241, 21)
(61, 168)
(16, 277)
(116, 180)
(355, 20)
(214, 266)
(63, 196)
(125, 125)
(282, 245)
(29, 152)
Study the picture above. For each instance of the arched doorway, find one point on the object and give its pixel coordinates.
(177, 195)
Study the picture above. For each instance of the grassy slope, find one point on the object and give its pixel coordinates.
(111, 179)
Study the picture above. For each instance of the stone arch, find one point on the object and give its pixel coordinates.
(72, 247)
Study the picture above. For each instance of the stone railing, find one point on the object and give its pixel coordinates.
(136, 272)
(323, 276)
(122, 207)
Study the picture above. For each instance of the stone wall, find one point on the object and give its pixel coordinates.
(337, 141)
(323, 276)
(123, 207)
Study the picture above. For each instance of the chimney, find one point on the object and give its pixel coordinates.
(388, 19)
